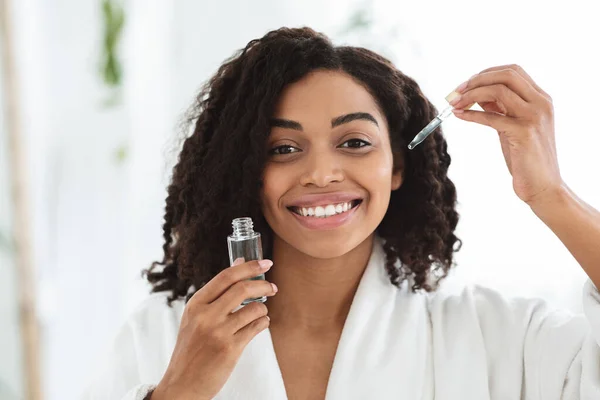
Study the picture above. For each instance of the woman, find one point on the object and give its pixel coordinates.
(293, 123)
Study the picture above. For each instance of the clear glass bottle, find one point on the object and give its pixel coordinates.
(245, 243)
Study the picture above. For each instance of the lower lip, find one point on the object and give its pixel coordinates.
(326, 223)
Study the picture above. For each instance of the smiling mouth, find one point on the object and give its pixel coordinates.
(326, 210)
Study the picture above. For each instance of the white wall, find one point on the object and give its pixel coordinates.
(11, 362)
(97, 222)
(77, 187)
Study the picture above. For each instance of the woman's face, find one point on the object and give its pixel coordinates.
(329, 176)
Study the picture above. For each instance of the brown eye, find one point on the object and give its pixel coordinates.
(355, 143)
(284, 149)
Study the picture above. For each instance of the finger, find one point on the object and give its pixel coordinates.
(523, 74)
(507, 77)
(245, 316)
(228, 277)
(493, 120)
(247, 289)
(492, 107)
(246, 334)
(505, 98)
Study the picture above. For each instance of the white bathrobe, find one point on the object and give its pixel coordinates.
(470, 345)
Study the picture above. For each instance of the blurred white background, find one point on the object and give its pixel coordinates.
(96, 173)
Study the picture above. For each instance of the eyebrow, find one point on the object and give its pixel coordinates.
(342, 119)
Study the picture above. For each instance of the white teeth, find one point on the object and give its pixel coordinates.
(319, 211)
(324, 211)
(330, 210)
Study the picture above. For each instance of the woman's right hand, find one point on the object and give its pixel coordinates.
(211, 338)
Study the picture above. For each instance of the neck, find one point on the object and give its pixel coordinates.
(314, 294)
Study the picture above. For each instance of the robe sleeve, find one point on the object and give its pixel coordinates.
(562, 352)
(139, 354)
(119, 376)
(517, 348)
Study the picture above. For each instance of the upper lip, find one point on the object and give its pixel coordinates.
(316, 199)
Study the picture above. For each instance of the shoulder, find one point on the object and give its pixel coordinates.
(141, 349)
(154, 315)
(488, 310)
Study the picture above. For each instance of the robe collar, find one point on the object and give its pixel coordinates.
(383, 352)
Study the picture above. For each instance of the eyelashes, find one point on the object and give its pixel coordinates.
(285, 149)
(359, 143)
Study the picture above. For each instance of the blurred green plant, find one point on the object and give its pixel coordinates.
(360, 20)
(391, 38)
(121, 154)
(111, 70)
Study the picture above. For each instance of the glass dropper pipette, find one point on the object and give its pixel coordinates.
(436, 122)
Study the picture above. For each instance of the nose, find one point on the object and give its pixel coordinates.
(322, 169)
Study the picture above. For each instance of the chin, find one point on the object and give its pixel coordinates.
(327, 245)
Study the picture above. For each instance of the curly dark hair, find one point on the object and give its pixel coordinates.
(217, 175)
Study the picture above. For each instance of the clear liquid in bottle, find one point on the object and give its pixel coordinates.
(245, 243)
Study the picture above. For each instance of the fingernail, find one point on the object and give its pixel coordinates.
(456, 100)
(458, 111)
(265, 264)
(275, 289)
(238, 261)
(462, 87)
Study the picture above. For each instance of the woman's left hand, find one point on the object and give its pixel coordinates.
(523, 115)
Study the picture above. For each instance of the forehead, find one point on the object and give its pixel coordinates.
(325, 94)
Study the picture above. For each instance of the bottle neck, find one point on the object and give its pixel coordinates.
(242, 227)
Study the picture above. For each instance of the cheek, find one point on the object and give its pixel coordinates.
(274, 185)
(376, 176)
